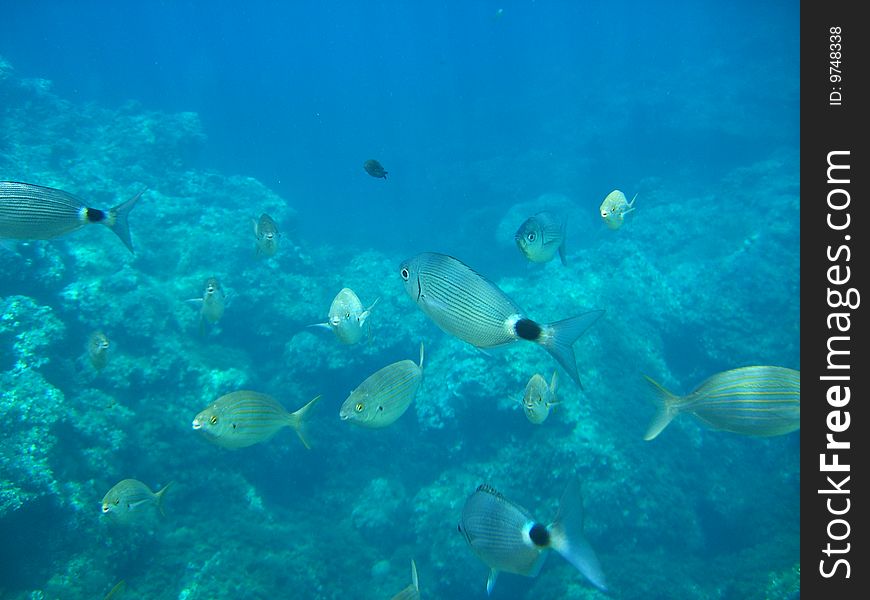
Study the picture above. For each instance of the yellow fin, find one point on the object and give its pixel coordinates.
(667, 410)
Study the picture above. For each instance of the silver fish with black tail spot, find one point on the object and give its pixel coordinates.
(469, 306)
(541, 236)
(34, 212)
(506, 537)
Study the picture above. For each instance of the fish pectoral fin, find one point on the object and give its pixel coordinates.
(197, 302)
(326, 326)
(490, 581)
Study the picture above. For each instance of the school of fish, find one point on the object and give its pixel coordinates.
(756, 401)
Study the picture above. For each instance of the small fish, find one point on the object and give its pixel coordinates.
(245, 418)
(374, 168)
(507, 538)
(412, 592)
(541, 236)
(130, 498)
(759, 401)
(614, 208)
(467, 305)
(538, 398)
(347, 316)
(385, 395)
(98, 349)
(34, 212)
(266, 232)
(211, 305)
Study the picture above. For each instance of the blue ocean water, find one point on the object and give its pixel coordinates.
(482, 114)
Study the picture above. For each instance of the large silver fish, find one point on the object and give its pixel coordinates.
(541, 236)
(466, 304)
(385, 395)
(759, 400)
(244, 418)
(347, 316)
(129, 499)
(507, 538)
(34, 212)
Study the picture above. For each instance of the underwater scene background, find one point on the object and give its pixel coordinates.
(482, 114)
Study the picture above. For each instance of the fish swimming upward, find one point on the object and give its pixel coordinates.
(98, 349)
(507, 538)
(758, 401)
(211, 305)
(34, 212)
(467, 305)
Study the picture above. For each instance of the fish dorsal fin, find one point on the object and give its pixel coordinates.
(486, 488)
(490, 581)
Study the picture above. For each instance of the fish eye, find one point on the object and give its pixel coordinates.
(531, 236)
(405, 273)
(359, 406)
(347, 315)
(213, 420)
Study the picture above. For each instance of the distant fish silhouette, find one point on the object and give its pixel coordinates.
(375, 169)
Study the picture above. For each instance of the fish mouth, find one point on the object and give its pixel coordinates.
(105, 508)
(197, 424)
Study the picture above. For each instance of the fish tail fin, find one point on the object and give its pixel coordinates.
(667, 410)
(630, 206)
(562, 247)
(567, 538)
(367, 312)
(560, 336)
(159, 495)
(414, 581)
(117, 220)
(297, 419)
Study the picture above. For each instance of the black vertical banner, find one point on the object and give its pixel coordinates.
(835, 365)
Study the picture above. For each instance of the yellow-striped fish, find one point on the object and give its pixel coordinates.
(385, 395)
(129, 499)
(614, 208)
(466, 304)
(117, 591)
(412, 591)
(244, 418)
(758, 401)
(34, 212)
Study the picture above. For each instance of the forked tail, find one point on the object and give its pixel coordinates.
(117, 220)
(667, 410)
(559, 337)
(566, 537)
(297, 419)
